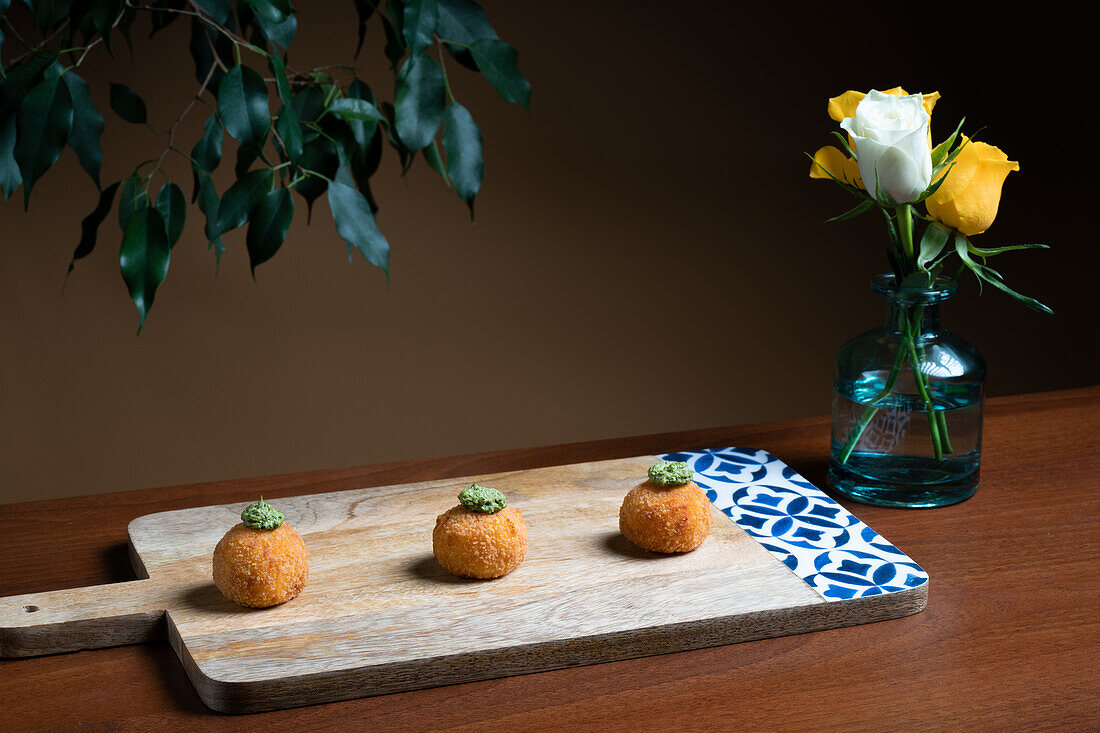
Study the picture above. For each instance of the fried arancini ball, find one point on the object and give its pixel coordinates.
(259, 568)
(673, 519)
(473, 544)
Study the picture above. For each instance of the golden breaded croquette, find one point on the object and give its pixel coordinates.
(481, 537)
(660, 516)
(259, 567)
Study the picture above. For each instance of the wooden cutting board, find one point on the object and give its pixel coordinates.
(379, 615)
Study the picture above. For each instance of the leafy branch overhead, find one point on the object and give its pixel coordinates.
(305, 132)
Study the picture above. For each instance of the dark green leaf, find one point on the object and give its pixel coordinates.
(349, 108)
(279, 32)
(208, 45)
(20, 78)
(463, 21)
(133, 197)
(418, 24)
(218, 10)
(208, 205)
(355, 224)
(10, 177)
(274, 12)
(89, 227)
(462, 141)
(282, 84)
(246, 156)
(290, 133)
(172, 205)
(435, 161)
(87, 127)
(269, 225)
(238, 202)
(144, 258)
(43, 124)
(320, 156)
(308, 104)
(364, 8)
(499, 63)
(127, 104)
(419, 101)
(395, 45)
(162, 17)
(242, 104)
(207, 153)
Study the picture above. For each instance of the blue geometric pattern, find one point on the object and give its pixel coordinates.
(836, 554)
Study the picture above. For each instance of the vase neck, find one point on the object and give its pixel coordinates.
(917, 319)
(914, 310)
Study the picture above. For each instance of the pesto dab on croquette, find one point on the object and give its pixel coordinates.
(480, 537)
(262, 561)
(667, 512)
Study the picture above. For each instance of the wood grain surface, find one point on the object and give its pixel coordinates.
(379, 614)
(1009, 640)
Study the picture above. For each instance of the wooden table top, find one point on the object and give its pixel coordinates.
(1009, 639)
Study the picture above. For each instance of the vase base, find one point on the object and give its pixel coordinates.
(894, 490)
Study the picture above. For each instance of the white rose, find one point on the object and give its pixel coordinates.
(890, 136)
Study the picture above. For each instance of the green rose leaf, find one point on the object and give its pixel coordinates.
(10, 177)
(462, 142)
(128, 105)
(88, 125)
(89, 227)
(463, 21)
(144, 257)
(355, 224)
(931, 244)
(172, 205)
(238, 202)
(268, 227)
(418, 26)
(43, 124)
(419, 101)
(499, 63)
(242, 104)
(133, 197)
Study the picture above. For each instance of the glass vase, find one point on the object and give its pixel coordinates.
(907, 406)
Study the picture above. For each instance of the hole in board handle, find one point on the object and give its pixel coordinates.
(30, 609)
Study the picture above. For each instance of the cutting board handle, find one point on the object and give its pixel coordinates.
(81, 618)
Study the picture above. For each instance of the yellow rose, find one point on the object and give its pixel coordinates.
(968, 199)
(832, 159)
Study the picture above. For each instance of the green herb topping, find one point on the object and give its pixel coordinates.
(482, 499)
(262, 515)
(670, 473)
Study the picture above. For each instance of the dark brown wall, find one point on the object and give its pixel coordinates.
(649, 255)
